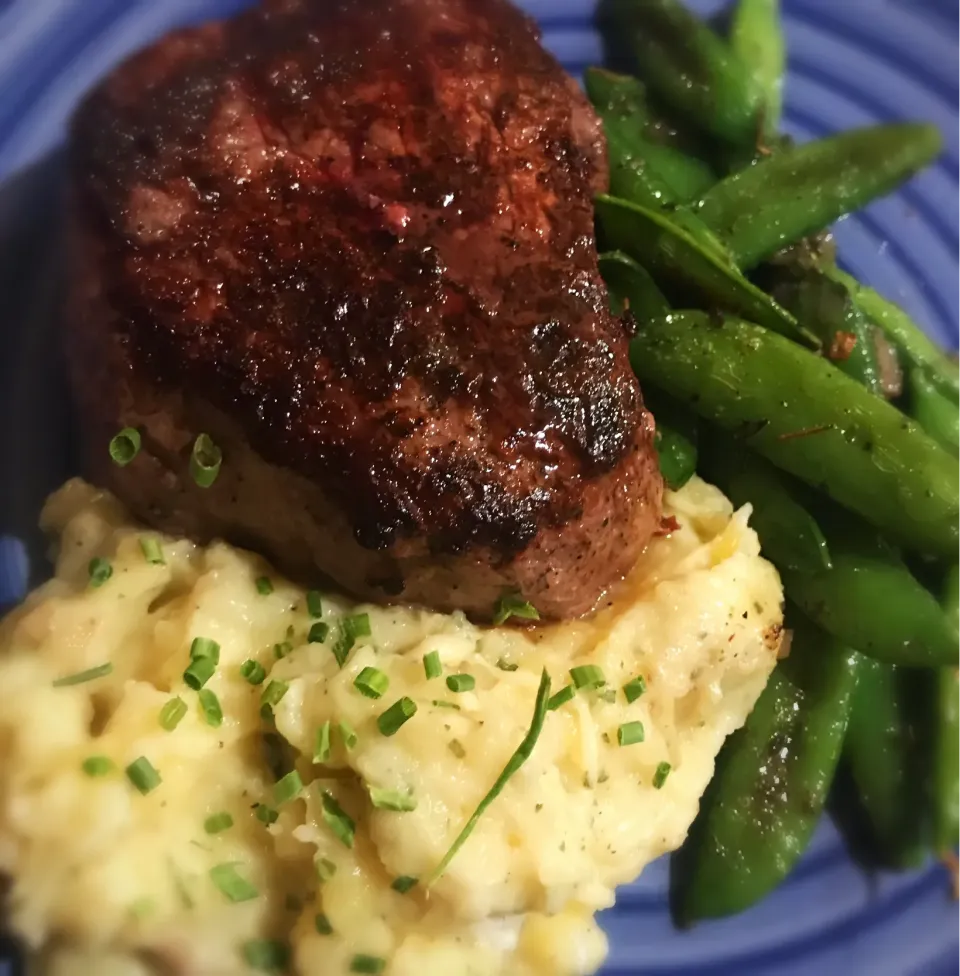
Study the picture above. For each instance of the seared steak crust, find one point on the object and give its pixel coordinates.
(352, 240)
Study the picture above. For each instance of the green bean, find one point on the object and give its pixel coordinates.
(803, 414)
(770, 785)
(946, 745)
(756, 36)
(631, 287)
(676, 438)
(688, 66)
(934, 412)
(800, 191)
(789, 535)
(691, 264)
(880, 752)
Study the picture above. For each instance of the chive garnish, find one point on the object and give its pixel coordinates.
(456, 747)
(281, 650)
(322, 925)
(321, 745)
(400, 712)
(205, 647)
(125, 446)
(216, 823)
(371, 682)
(199, 672)
(512, 605)
(351, 628)
(210, 706)
(314, 603)
(152, 552)
(394, 800)
(432, 667)
(347, 734)
(205, 461)
(588, 676)
(253, 672)
(513, 764)
(81, 677)
(264, 586)
(634, 688)
(318, 632)
(99, 570)
(440, 703)
(504, 665)
(143, 775)
(266, 955)
(272, 694)
(266, 815)
(233, 885)
(564, 695)
(404, 883)
(98, 766)
(362, 963)
(288, 788)
(171, 713)
(338, 820)
(630, 733)
(460, 682)
(607, 695)
(661, 774)
(325, 869)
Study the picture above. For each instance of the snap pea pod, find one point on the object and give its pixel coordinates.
(631, 287)
(676, 438)
(756, 37)
(688, 66)
(800, 191)
(935, 413)
(789, 535)
(673, 254)
(913, 344)
(641, 170)
(810, 419)
(770, 784)
(946, 761)
(881, 754)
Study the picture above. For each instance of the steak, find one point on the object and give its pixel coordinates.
(352, 241)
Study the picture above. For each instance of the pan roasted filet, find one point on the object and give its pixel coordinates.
(352, 241)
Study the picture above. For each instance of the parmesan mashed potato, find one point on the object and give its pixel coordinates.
(215, 870)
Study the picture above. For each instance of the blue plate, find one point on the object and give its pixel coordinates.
(852, 62)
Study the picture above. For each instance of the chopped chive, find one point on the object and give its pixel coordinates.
(281, 650)
(504, 665)
(321, 745)
(440, 703)
(171, 713)
(565, 694)
(512, 605)
(318, 632)
(314, 603)
(347, 734)
(634, 688)
(143, 775)
(216, 823)
(325, 868)
(205, 461)
(392, 800)
(400, 712)
(81, 677)
(371, 682)
(322, 924)
(99, 571)
(199, 672)
(266, 955)
(233, 885)
(210, 706)
(266, 815)
(338, 820)
(273, 693)
(288, 788)
(661, 774)
(461, 682)
(607, 695)
(456, 747)
(152, 551)
(630, 733)
(588, 676)
(404, 883)
(204, 647)
(432, 667)
(264, 586)
(513, 764)
(351, 628)
(98, 766)
(253, 672)
(362, 963)
(125, 446)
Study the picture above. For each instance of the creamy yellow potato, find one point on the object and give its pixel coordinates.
(110, 880)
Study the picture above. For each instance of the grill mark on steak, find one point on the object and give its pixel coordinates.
(356, 238)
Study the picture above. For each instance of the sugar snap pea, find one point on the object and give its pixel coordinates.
(688, 66)
(756, 36)
(631, 287)
(770, 784)
(676, 438)
(946, 745)
(810, 419)
(691, 264)
(802, 190)
(935, 413)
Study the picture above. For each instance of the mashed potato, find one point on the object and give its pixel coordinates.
(110, 880)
